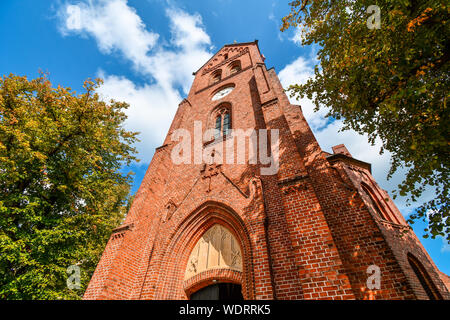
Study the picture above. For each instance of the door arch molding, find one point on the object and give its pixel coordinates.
(186, 236)
(210, 277)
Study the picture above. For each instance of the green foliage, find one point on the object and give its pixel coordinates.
(60, 189)
(391, 83)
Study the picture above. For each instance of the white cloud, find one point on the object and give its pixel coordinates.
(118, 28)
(186, 29)
(445, 245)
(298, 36)
(174, 67)
(150, 113)
(328, 134)
(113, 24)
(299, 71)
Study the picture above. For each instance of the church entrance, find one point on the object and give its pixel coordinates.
(216, 255)
(219, 291)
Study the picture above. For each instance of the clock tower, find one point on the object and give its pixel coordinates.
(241, 202)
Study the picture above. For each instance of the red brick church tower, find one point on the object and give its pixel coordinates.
(318, 227)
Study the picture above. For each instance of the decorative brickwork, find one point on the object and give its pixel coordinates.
(309, 231)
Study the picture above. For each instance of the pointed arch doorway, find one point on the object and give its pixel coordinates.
(215, 266)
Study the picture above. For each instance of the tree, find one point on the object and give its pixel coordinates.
(61, 191)
(389, 82)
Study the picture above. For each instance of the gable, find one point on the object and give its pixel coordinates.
(226, 54)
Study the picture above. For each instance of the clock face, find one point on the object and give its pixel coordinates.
(222, 93)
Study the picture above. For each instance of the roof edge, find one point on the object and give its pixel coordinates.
(343, 157)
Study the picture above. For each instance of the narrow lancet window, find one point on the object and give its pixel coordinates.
(226, 124)
(218, 126)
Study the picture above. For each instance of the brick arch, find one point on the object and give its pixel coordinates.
(210, 277)
(378, 198)
(424, 278)
(183, 240)
(216, 76)
(234, 67)
(375, 202)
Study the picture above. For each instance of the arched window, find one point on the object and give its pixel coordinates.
(216, 76)
(376, 203)
(235, 67)
(221, 120)
(424, 278)
(375, 206)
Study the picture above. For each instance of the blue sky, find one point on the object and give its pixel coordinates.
(146, 51)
